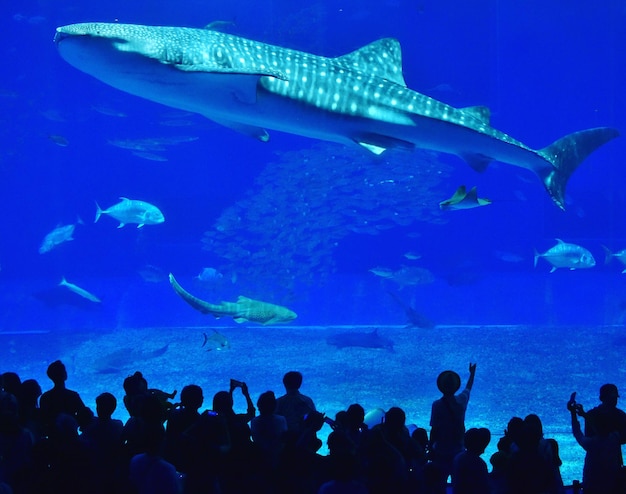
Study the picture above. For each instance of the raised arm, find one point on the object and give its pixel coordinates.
(470, 381)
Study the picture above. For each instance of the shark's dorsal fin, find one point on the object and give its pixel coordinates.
(382, 58)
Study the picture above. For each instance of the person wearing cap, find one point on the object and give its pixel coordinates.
(607, 411)
(447, 420)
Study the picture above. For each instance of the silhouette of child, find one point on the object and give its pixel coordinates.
(447, 419)
(469, 470)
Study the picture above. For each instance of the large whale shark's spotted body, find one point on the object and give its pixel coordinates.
(358, 98)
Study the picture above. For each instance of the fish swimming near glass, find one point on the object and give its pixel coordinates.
(61, 234)
(245, 309)
(126, 358)
(215, 341)
(564, 255)
(463, 199)
(620, 256)
(209, 275)
(406, 275)
(359, 98)
(358, 339)
(79, 291)
(414, 318)
(132, 211)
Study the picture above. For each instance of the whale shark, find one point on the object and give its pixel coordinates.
(359, 98)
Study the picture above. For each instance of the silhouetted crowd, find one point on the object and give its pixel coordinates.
(52, 443)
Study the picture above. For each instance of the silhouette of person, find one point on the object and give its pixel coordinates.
(548, 449)
(293, 405)
(30, 413)
(469, 470)
(344, 468)
(603, 457)
(614, 417)
(531, 469)
(268, 428)
(447, 420)
(179, 420)
(16, 446)
(104, 437)
(59, 399)
(10, 382)
(237, 462)
(149, 472)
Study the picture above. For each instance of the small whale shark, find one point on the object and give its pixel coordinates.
(358, 98)
(245, 309)
(462, 199)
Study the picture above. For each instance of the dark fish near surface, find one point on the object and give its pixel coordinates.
(414, 318)
(362, 340)
(123, 358)
(406, 275)
(152, 274)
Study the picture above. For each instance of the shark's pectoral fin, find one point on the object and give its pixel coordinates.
(249, 130)
(240, 319)
(378, 143)
(215, 68)
(478, 162)
(377, 150)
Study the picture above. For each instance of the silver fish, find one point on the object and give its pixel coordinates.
(564, 255)
(62, 233)
(132, 211)
(79, 291)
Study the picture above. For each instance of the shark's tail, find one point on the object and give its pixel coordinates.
(98, 213)
(566, 154)
(195, 302)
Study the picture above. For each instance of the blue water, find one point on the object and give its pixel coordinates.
(299, 222)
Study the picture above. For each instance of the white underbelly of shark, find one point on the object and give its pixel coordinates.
(360, 98)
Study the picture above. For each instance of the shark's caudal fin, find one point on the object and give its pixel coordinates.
(566, 154)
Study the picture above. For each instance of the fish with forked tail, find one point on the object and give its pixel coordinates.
(620, 256)
(360, 98)
(245, 309)
(79, 291)
(564, 255)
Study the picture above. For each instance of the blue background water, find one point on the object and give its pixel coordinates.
(544, 68)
